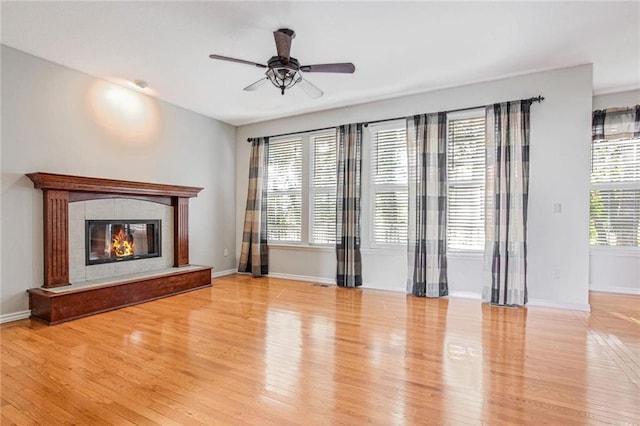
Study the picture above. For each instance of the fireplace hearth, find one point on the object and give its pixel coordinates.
(121, 240)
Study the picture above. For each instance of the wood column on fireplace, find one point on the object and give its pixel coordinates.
(181, 230)
(56, 238)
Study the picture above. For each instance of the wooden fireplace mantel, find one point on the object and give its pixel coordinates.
(53, 306)
(59, 190)
(51, 181)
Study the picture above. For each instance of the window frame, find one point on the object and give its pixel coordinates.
(307, 191)
(633, 251)
(285, 192)
(370, 188)
(463, 115)
(312, 190)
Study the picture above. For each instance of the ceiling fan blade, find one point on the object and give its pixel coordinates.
(343, 67)
(255, 86)
(310, 89)
(283, 42)
(240, 61)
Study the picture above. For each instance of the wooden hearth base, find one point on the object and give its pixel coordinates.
(53, 307)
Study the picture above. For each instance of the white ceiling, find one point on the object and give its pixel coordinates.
(398, 47)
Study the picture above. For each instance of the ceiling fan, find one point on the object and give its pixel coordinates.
(284, 71)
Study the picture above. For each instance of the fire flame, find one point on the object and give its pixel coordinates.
(121, 245)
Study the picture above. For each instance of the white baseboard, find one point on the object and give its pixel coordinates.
(454, 294)
(566, 306)
(531, 302)
(465, 295)
(318, 280)
(620, 290)
(223, 273)
(15, 316)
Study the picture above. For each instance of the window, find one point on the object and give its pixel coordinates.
(615, 193)
(389, 192)
(301, 204)
(322, 189)
(466, 176)
(466, 181)
(301, 207)
(284, 190)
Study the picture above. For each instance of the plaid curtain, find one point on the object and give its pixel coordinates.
(427, 246)
(616, 123)
(507, 193)
(349, 273)
(254, 254)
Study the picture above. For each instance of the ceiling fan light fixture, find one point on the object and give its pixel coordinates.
(283, 78)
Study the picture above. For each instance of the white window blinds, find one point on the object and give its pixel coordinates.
(465, 177)
(615, 193)
(322, 191)
(284, 203)
(389, 184)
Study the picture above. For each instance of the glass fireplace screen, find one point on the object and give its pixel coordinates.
(120, 240)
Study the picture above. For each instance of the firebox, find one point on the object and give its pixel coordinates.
(121, 240)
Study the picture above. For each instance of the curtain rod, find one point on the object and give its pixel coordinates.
(538, 98)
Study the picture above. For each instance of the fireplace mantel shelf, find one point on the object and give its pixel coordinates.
(109, 186)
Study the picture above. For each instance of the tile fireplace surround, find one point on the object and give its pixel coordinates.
(117, 208)
(71, 289)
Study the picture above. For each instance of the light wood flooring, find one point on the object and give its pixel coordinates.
(271, 351)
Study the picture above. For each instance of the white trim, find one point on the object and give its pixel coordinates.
(567, 306)
(386, 251)
(371, 188)
(619, 290)
(15, 316)
(304, 161)
(223, 273)
(466, 254)
(303, 247)
(313, 190)
(365, 286)
(454, 294)
(613, 90)
(465, 295)
(534, 302)
(318, 280)
(614, 251)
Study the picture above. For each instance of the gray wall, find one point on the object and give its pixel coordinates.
(559, 174)
(55, 119)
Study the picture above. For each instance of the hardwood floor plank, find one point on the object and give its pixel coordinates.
(272, 351)
(13, 416)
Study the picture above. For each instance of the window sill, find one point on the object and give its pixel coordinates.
(391, 251)
(615, 251)
(399, 251)
(303, 247)
(474, 254)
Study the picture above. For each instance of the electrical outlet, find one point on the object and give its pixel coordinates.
(225, 252)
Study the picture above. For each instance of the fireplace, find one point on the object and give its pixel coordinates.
(69, 202)
(121, 240)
